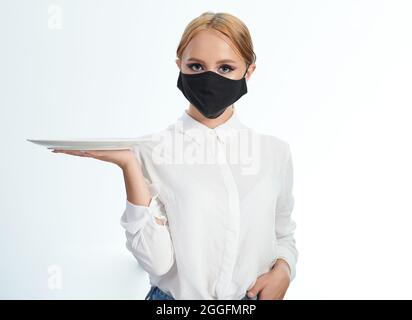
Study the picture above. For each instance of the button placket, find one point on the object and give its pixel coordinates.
(232, 224)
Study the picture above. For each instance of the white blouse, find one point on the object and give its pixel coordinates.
(225, 196)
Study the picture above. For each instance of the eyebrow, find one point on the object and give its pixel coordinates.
(220, 61)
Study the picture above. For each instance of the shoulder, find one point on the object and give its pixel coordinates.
(273, 142)
(277, 142)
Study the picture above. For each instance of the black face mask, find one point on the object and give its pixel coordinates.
(210, 92)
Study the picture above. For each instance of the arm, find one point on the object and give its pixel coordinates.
(284, 224)
(145, 222)
(137, 189)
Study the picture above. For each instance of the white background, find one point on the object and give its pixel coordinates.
(333, 78)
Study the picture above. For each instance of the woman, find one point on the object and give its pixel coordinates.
(209, 200)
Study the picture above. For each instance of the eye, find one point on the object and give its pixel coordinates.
(226, 68)
(193, 66)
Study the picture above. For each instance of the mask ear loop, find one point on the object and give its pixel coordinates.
(248, 65)
(246, 70)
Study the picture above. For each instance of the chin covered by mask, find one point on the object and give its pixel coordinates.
(210, 92)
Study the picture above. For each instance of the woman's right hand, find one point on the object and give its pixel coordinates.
(122, 158)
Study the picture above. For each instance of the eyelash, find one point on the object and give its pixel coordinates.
(224, 65)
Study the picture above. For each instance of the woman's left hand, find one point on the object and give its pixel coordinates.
(272, 285)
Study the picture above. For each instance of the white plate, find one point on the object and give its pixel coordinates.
(89, 143)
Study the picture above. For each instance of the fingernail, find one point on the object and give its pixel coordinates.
(250, 293)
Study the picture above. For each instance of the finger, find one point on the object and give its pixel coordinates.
(268, 293)
(252, 292)
(80, 153)
(59, 151)
(91, 153)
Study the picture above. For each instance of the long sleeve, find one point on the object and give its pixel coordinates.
(148, 241)
(284, 224)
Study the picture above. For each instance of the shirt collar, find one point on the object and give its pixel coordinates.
(199, 131)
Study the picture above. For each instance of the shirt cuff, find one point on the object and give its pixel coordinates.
(136, 216)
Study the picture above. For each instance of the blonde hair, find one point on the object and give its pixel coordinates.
(225, 23)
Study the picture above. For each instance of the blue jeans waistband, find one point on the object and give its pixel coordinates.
(155, 293)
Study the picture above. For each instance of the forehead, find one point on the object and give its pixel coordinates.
(211, 45)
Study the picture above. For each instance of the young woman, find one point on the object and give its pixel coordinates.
(209, 200)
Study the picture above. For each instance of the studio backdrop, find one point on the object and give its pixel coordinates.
(333, 79)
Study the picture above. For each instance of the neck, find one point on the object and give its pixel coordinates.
(211, 123)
